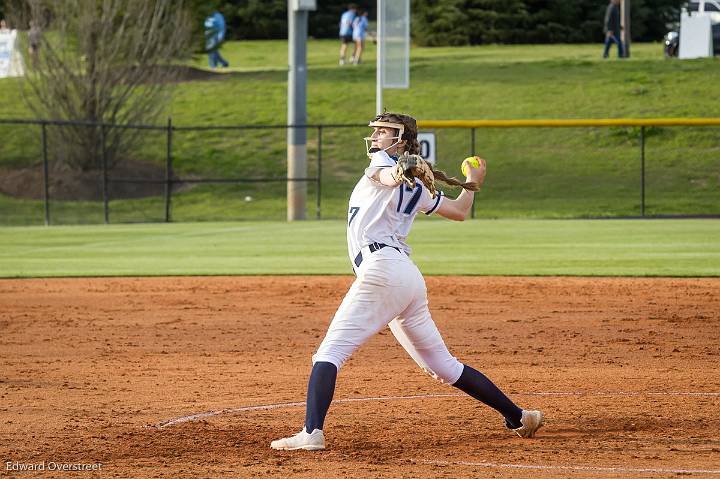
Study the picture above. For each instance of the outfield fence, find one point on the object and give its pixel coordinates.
(594, 168)
(642, 124)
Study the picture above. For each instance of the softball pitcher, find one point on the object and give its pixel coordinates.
(389, 289)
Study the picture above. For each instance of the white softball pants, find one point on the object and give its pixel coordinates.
(389, 289)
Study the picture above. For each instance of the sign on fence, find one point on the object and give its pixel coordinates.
(10, 58)
(427, 147)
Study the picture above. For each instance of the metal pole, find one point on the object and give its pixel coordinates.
(625, 35)
(380, 56)
(319, 173)
(642, 171)
(472, 153)
(297, 113)
(103, 153)
(46, 175)
(168, 171)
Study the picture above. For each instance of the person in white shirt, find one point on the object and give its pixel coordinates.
(389, 289)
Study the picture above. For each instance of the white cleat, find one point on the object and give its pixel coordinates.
(315, 441)
(531, 421)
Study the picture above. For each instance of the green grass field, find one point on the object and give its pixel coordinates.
(533, 173)
(478, 247)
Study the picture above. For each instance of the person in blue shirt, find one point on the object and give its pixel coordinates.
(360, 25)
(214, 36)
(346, 31)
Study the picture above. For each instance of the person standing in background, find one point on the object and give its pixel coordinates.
(214, 36)
(612, 28)
(346, 30)
(34, 40)
(360, 25)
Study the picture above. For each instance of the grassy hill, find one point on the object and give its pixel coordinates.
(532, 172)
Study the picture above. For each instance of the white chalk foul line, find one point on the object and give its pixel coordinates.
(620, 393)
(264, 407)
(548, 467)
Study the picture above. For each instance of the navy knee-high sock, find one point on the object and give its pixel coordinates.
(477, 385)
(321, 388)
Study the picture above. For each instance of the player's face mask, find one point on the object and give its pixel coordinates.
(397, 127)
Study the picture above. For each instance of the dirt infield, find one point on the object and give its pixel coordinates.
(627, 371)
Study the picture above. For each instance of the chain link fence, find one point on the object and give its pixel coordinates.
(231, 173)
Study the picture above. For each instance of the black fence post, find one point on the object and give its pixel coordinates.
(168, 171)
(472, 153)
(642, 171)
(106, 202)
(319, 173)
(46, 174)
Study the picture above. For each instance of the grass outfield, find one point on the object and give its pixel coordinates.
(533, 173)
(478, 247)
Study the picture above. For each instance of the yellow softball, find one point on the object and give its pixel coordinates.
(473, 160)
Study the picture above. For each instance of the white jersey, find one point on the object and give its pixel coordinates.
(384, 214)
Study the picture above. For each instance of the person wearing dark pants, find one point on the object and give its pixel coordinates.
(612, 28)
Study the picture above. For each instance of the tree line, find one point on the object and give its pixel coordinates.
(458, 22)
(447, 22)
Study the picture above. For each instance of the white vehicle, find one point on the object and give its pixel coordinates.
(710, 8)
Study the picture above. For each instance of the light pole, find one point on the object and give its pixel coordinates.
(297, 107)
(625, 36)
